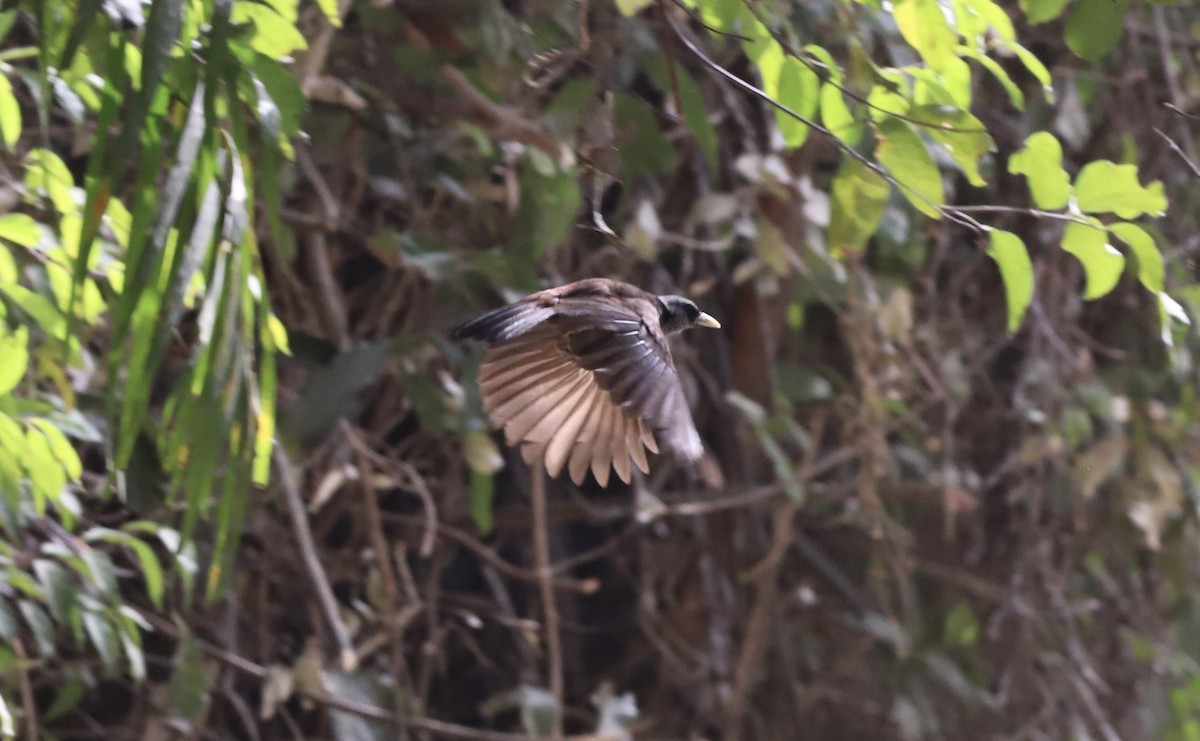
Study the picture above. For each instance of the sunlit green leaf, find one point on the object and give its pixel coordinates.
(330, 9)
(963, 136)
(923, 25)
(1016, 271)
(10, 114)
(1040, 161)
(1102, 263)
(799, 90)
(47, 175)
(1149, 260)
(836, 116)
(629, 7)
(14, 357)
(273, 34)
(1103, 186)
(905, 156)
(859, 196)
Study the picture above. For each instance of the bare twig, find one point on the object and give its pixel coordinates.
(312, 563)
(581, 586)
(541, 557)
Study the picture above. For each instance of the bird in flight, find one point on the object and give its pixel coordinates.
(581, 376)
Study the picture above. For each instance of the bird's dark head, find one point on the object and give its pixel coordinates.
(678, 313)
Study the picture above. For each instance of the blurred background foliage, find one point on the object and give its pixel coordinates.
(953, 437)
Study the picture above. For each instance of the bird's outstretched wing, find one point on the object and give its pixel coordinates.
(585, 381)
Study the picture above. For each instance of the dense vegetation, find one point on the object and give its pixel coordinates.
(952, 481)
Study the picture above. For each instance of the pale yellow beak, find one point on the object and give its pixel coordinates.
(706, 320)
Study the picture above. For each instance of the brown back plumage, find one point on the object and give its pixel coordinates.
(581, 377)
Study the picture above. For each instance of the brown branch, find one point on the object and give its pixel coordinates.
(312, 562)
(512, 571)
(541, 557)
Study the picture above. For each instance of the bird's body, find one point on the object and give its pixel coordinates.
(582, 376)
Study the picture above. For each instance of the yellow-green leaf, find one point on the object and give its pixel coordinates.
(923, 25)
(1102, 263)
(1103, 186)
(20, 229)
(836, 116)
(959, 133)
(627, 7)
(903, 153)
(1040, 161)
(1149, 260)
(14, 357)
(10, 114)
(798, 89)
(1016, 271)
(859, 195)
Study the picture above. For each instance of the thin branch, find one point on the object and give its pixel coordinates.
(312, 563)
(541, 556)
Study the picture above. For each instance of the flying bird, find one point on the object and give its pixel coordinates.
(581, 376)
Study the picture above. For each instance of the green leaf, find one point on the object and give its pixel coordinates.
(1036, 68)
(20, 229)
(104, 638)
(1149, 260)
(836, 116)
(48, 316)
(1016, 271)
(859, 195)
(1015, 95)
(60, 447)
(70, 692)
(14, 357)
(47, 176)
(481, 494)
(962, 135)
(1040, 161)
(903, 153)
(1095, 26)
(330, 9)
(40, 625)
(923, 25)
(1041, 11)
(962, 627)
(1102, 263)
(632, 7)
(799, 90)
(151, 569)
(46, 474)
(549, 206)
(273, 35)
(10, 114)
(58, 586)
(1103, 186)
